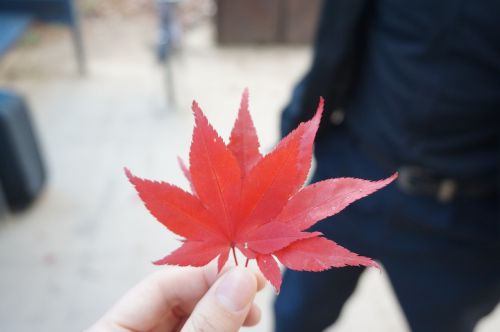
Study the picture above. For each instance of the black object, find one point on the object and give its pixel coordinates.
(22, 173)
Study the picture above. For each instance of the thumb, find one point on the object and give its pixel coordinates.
(225, 306)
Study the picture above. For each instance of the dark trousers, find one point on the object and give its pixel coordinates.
(443, 259)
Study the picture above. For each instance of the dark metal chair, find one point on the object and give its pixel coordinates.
(16, 15)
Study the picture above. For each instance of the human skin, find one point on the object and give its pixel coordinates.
(187, 300)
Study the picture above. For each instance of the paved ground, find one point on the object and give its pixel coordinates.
(88, 238)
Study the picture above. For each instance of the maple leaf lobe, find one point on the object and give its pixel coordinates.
(176, 209)
(215, 173)
(243, 141)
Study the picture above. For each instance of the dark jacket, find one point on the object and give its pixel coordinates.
(419, 82)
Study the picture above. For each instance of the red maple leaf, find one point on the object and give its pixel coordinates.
(243, 200)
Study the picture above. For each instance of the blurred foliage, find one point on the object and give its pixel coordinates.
(30, 38)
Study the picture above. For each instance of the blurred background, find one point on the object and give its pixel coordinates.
(88, 87)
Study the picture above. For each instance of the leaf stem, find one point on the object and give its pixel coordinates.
(234, 256)
(246, 262)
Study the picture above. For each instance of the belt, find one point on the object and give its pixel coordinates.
(416, 180)
(420, 181)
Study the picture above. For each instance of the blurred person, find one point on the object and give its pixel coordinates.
(187, 300)
(412, 86)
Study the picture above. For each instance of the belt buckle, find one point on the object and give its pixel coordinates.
(415, 180)
(446, 191)
(406, 179)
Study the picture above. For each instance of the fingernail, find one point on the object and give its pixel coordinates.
(236, 289)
